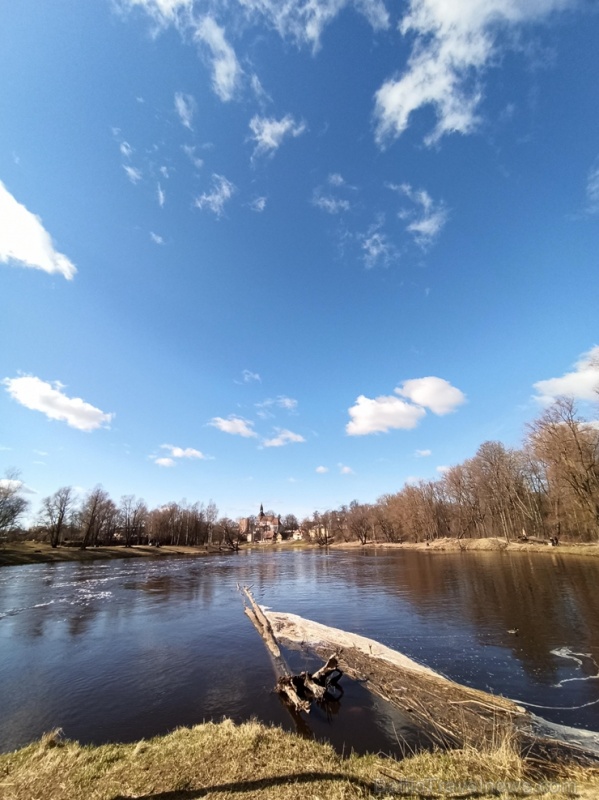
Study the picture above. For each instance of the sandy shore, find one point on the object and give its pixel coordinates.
(460, 545)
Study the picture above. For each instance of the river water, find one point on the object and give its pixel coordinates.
(123, 650)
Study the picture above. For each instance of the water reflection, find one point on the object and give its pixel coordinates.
(131, 649)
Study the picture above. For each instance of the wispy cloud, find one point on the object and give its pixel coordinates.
(304, 21)
(282, 401)
(156, 238)
(423, 453)
(330, 204)
(24, 239)
(389, 412)
(592, 190)
(377, 248)
(222, 191)
(236, 426)
(345, 470)
(248, 376)
(226, 72)
(454, 42)
(126, 149)
(161, 196)
(133, 173)
(258, 204)
(283, 438)
(321, 470)
(269, 133)
(50, 399)
(426, 218)
(190, 152)
(582, 383)
(185, 106)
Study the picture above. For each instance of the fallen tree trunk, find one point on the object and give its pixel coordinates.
(298, 690)
(446, 713)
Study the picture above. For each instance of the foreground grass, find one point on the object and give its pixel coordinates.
(253, 761)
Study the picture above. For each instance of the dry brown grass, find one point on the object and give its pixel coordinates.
(255, 762)
(15, 553)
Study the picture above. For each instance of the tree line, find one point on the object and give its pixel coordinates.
(548, 488)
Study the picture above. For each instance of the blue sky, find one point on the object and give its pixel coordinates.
(291, 253)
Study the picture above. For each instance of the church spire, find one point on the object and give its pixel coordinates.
(261, 510)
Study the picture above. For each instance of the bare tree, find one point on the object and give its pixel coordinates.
(55, 511)
(92, 516)
(132, 518)
(12, 504)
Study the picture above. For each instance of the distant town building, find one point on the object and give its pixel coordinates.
(264, 528)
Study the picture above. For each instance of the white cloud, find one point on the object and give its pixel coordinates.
(282, 401)
(215, 200)
(182, 452)
(164, 172)
(382, 414)
(436, 394)
(162, 11)
(332, 205)
(422, 453)
(593, 190)
(376, 247)
(427, 220)
(582, 383)
(249, 376)
(345, 470)
(443, 468)
(190, 152)
(335, 179)
(24, 239)
(282, 438)
(156, 238)
(185, 106)
(126, 149)
(49, 398)
(453, 44)
(288, 403)
(258, 204)
(305, 20)
(164, 462)
(322, 470)
(16, 485)
(226, 71)
(237, 426)
(133, 173)
(268, 133)
(161, 196)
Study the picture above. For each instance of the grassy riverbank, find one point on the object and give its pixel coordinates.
(14, 553)
(261, 763)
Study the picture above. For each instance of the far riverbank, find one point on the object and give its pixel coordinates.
(493, 544)
(20, 553)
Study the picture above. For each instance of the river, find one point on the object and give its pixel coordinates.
(123, 650)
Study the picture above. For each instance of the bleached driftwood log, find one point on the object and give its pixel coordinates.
(298, 690)
(447, 713)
